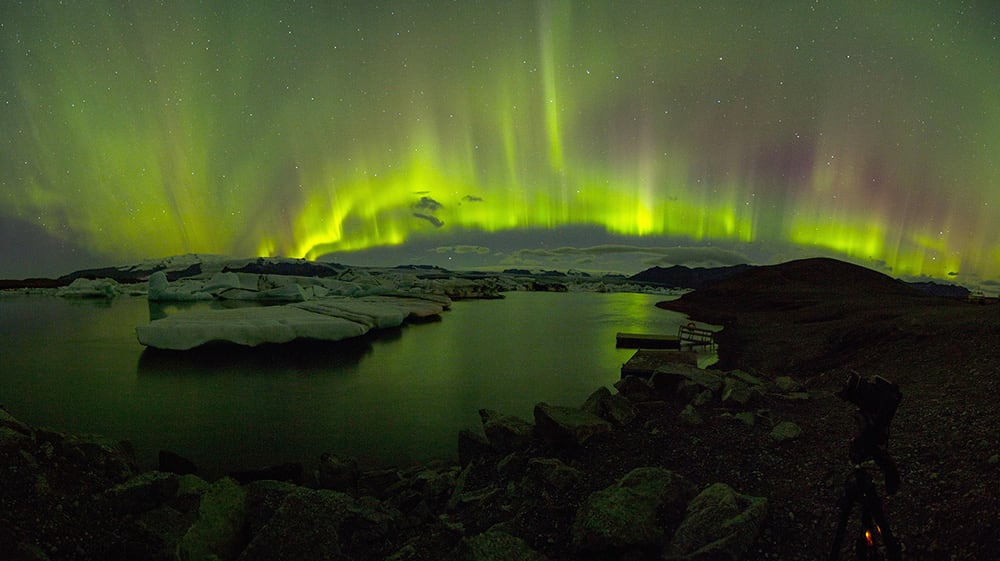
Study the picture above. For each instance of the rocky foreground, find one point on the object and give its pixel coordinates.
(744, 461)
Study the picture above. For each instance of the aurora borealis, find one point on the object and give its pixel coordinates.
(868, 131)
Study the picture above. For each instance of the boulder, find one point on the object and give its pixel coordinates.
(506, 433)
(544, 474)
(720, 524)
(494, 545)
(787, 384)
(785, 431)
(338, 474)
(143, 492)
(290, 472)
(746, 378)
(639, 511)
(635, 389)
(472, 444)
(175, 463)
(263, 499)
(685, 379)
(9, 421)
(306, 525)
(690, 416)
(737, 392)
(219, 530)
(567, 426)
(615, 408)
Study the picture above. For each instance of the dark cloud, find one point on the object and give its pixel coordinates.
(428, 204)
(432, 219)
(662, 256)
(463, 249)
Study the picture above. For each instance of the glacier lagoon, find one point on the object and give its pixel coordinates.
(397, 398)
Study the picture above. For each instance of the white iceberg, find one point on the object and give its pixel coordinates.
(90, 288)
(327, 319)
(160, 290)
(245, 326)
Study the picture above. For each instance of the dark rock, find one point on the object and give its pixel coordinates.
(639, 511)
(306, 525)
(615, 408)
(143, 492)
(750, 379)
(9, 421)
(472, 444)
(544, 474)
(718, 524)
(495, 545)
(338, 474)
(506, 433)
(290, 472)
(175, 463)
(690, 416)
(379, 482)
(635, 389)
(785, 431)
(684, 379)
(263, 499)
(738, 392)
(567, 426)
(787, 384)
(220, 529)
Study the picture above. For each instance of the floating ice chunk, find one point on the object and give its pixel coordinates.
(413, 305)
(373, 314)
(90, 288)
(245, 326)
(160, 290)
(286, 293)
(222, 281)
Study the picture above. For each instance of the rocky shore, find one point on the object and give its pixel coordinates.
(743, 461)
(546, 488)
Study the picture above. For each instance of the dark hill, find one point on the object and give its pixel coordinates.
(819, 312)
(792, 285)
(679, 276)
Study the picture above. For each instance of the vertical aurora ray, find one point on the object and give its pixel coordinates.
(148, 130)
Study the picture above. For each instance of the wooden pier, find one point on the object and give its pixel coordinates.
(647, 341)
(688, 336)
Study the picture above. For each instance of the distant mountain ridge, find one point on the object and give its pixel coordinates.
(680, 276)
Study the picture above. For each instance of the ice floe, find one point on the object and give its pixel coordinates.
(326, 319)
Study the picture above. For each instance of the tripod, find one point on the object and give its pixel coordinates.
(859, 488)
(877, 401)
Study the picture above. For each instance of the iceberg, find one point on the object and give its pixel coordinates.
(90, 288)
(325, 319)
(245, 326)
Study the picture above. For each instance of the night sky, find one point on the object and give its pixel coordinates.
(542, 133)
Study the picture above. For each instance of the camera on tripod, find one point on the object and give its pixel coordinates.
(877, 400)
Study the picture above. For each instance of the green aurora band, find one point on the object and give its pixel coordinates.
(867, 130)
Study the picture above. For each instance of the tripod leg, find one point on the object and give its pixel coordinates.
(874, 504)
(845, 503)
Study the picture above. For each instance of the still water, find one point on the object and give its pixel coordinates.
(394, 399)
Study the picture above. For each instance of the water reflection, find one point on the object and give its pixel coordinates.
(300, 357)
(394, 397)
